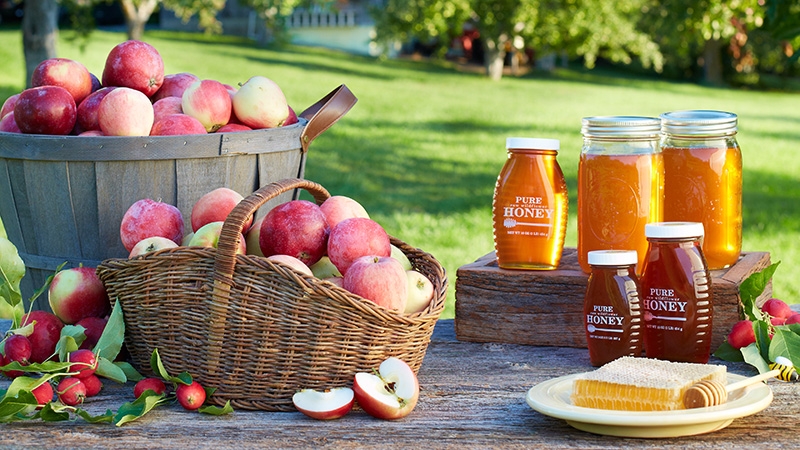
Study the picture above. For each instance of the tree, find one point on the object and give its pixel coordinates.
(39, 33)
(586, 28)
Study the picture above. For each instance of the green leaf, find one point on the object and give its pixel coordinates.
(728, 353)
(26, 384)
(158, 368)
(54, 412)
(130, 372)
(216, 410)
(107, 368)
(17, 406)
(107, 417)
(763, 338)
(786, 344)
(752, 287)
(752, 356)
(131, 411)
(47, 283)
(110, 342)
(66, 344)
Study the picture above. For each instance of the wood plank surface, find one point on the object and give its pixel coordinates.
(472, 398)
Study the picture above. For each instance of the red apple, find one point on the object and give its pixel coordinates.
(125, 112)
(78, 293)
(174, 84)
(292, 262)
(356, 237)
(46, 333)
(151, 244)
(390, 394)
(209, 102)
(777, 308)
(296, 228)
(93, 328)
(96, 84)
(91, 133)
(380, 279)
(260, 103)
(233, 128)
(420, 292)
(8, 105)
(794, 318)
(339, 207)
(45, 110)
(167, 106)
(338, 281)
(208, 236)
(136, 65)
(292, 119)
(324, 405)
(177, 124)
(146, 218)
(87, 110)
(8, 124)
(71, 75)
(215, 206)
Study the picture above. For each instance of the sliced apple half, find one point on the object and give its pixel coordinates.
(389, 394)
(324, 405)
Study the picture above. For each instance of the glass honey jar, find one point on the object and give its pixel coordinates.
(620, 184)
(529, 208)
(703, 179)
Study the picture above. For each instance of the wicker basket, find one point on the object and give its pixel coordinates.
(259, 331)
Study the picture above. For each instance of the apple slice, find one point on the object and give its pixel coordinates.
(390, 394)
(324, 405)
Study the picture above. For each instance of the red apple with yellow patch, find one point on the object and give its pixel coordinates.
(78, 293)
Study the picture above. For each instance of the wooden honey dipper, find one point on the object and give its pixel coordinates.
(711, 393)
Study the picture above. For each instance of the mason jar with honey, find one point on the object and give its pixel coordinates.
(529, 208)
(620, 184)
(703, 179)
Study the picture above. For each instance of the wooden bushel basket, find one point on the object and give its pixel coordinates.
(259, 331)
(62, 198)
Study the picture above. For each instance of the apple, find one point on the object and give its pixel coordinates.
(338, 281)
(78, 293)
(324, 405)
(292, 262)
(45, 110)
(96, 84)
(260, 103)
(324, 268)
(146, 218)
(340, 207)
(356, 237)
(151, 244)
(177, 124)
(794, 318)
(8, 124)
(87, 110)
(174, 85)
(208, 236)
(215, 206)
(91, 133)
(209, 102)
(93, 328)
(777, 308)
(296, 228)
(420, 292)
(292, 119)
(380, 279)
(252, 238)
(390, 394)
(46, 333)
(233, 128)
(71, 75)
(8, 105)
(136, 65)
(400, 256)
(125, 112)
(167, 106)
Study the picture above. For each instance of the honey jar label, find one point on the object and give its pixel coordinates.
(528, 216)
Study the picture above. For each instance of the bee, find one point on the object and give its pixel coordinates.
(787, 371)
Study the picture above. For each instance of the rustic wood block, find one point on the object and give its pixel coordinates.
(546, 307)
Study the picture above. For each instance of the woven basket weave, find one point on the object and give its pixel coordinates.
(259, 331)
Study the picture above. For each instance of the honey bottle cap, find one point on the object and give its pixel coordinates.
(612, 257)
(667, 230)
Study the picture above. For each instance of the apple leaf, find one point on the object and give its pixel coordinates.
(106, 368)
(71, 338)
(53, 412)
(752, 287)
(752, 356)
(158, 367)
(17, 407)
(110, 342)
(787, 344)
(216, 410)
(131, 411)
(763, 338)
(130, 372)
(726, 352)
(107, 417)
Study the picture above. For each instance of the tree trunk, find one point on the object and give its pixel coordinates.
(712, 62)
(137, 16)
(493, 56)
(39, 33)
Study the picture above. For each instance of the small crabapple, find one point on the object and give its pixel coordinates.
(93, 385)
(43, 393)
(71, 391)
(742, 334)
(191, 396)
(85, 363)
(777, 308)
(153, 384)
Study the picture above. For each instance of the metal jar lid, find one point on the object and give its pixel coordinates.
(621, 127)
(699, 123)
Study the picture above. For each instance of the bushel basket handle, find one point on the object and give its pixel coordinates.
(324, 113)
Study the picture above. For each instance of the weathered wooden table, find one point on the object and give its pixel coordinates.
(473, 396)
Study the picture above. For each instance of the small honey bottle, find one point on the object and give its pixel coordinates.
(530, 206)
(612, 315)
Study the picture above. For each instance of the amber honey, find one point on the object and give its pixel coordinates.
(529, 207)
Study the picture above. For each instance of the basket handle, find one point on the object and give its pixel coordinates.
(324, 113)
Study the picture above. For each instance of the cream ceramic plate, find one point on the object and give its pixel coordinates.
(552, 399)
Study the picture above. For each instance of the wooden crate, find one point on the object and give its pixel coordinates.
(546, 307)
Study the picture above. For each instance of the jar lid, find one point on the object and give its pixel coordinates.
(666, 230)
(532, 143)
(615, 127)
(612, 257)
(699, 123)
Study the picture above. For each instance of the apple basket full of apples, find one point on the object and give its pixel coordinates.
(259, 329)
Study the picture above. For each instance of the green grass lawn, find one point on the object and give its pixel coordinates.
(423, 146)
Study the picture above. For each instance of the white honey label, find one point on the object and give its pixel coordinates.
(603, 322)
(528, 216)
